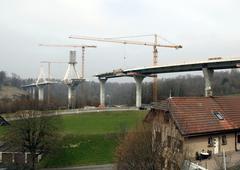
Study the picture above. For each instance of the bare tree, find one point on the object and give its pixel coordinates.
(145, 149)
(33, 133)
(2, 78)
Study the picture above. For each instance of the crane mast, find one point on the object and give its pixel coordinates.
(83, 60)
(49, 66)
(154, 44)
(155, 63)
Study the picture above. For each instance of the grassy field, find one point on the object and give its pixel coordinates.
(83, 150)
(2, 130)
(90, 138)
(100, 123)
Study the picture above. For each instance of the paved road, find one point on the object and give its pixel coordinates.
(11, 117)
(91, 167)
(79, 111)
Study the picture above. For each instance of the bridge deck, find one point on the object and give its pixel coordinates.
(194, 66)
(39, 84)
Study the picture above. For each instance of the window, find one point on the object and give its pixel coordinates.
(218, 115)
(224, 140)
(210, 141)
(158, 136)
(178, 145)
(181, 146)
(169, 141)
(166, 117)
(238, 138)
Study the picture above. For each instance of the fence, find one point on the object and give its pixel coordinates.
(17, 157)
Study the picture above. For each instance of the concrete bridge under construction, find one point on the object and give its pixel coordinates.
(71, 79)
(31, 88)
(207, 67)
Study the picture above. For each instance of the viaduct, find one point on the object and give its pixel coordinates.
(207, 67)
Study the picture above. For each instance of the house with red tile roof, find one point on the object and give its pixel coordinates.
(204, 123)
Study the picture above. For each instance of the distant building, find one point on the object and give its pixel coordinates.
(204, 123)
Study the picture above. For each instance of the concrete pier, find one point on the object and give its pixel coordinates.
(40, 93)
(72, 80)
(29, 91)
(138, 80)
(102, 91)
(71, 97)
(33, 93)
(208, 78)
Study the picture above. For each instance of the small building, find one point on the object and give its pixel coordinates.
(203, 123)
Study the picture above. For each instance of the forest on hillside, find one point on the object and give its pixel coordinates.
(224, 83)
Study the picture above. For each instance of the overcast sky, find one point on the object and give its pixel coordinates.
(204, 28)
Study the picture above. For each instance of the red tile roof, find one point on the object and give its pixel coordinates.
(193, 115)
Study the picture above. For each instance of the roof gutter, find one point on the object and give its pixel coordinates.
(210, 133)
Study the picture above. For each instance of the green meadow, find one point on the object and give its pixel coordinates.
(90, 138)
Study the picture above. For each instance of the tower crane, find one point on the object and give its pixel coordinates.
(154, 44)
(73, 46)
(49, 66)
(49, 73)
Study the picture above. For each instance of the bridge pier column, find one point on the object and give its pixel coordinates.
(102, 91)
(71, 97)
(208, 77)
(138, 80)
(40, 93)
(29, 90)
(33, 93)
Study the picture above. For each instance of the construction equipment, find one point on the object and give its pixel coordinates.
(72, 78)
(49, 66)
(41, 77)
(155, 44)
(73, 46)
(49, 74)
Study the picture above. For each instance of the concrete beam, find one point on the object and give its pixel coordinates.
(138, 80)
(208, 78)
(102, 91)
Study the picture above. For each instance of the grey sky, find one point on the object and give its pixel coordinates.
(204, 28)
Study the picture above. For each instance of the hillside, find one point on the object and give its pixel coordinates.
(11, 92)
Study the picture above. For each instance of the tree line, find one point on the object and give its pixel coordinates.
(13, 80)
(224, 83)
